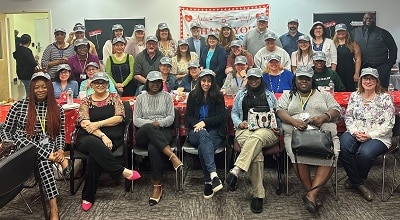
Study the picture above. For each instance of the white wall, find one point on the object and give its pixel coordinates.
(67, 13)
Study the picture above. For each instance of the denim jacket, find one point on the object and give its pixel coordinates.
(237, 109)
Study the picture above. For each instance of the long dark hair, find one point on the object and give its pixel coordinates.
(323, 31)
(212, 95)
(53, 117)
(57, 76)
(294, 89)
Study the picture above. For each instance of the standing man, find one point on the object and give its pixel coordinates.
(254, 39)
(196, 41)
(260, 59)
(146, 61)
(289, 40)
(378, 48)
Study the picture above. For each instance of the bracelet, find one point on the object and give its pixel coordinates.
(329, 115)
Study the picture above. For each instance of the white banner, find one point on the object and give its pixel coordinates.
(242, 18)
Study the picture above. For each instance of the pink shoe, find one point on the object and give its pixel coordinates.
(135, 175)
(86, 206)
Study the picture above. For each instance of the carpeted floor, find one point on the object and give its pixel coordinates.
(114, 203)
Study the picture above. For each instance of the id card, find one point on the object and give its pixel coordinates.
(44, 141)
(82, 76)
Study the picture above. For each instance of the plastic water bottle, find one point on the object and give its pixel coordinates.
(229, 91)
(391, 88)
(70, 96)
(331, 87)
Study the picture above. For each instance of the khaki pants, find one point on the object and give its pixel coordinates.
(251, 158)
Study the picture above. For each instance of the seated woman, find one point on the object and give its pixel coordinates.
(100, 117)
(64, 81)
(251, 158)
(236, 79)
(153, 115)
(182, 58)
(169, 80)
(40, 121)
(305, 98)
(369, 122)
(189, 81)
(90, 69)
(206, 118)
(276, 77)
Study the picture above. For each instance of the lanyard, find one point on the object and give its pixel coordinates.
(303, 104)
(42, 122)
(237, 83)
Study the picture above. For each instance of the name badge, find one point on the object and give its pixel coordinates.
(44, 141)
(83, 76)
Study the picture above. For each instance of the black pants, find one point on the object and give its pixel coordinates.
(384, 73)
(155, 140)
(100, 159)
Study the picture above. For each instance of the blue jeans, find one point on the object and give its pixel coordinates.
(207, 143)
(358, 157)
(27, 84)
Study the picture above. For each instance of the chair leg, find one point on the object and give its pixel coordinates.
(26, 203)
(278, 169)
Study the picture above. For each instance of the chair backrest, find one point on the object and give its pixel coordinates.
(14, 171)
(396, 127)
(175, 125)
(128, 111)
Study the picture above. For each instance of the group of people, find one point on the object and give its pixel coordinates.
(208, 68)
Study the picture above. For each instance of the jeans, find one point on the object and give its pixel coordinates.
(358, 157)
(207, 143)
(27, 85)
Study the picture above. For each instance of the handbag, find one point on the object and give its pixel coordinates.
(312, 142)
(261, 117)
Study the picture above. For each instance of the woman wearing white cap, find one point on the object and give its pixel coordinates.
(108, 50)
(213, 57)
(321, 42)
(236, 79)
(276, 77)
(237, 50)
(119, 67)
(79, 61)
(153, 116)
(304, 106)
(40, 121)
(166, 44)
(348, 57)
(90, 69)
(206, 120)
(137, 42)
(101, 132)
(63, 81)
(57, 53)
(304, 54)
(226, 36)
(369, 121)
(182, 58)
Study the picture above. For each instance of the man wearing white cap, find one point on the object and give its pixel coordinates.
(146, 61)
(323, 75)
(254, 39)
(289, 40)
(57, 53)
(270, 47)
(196, 41)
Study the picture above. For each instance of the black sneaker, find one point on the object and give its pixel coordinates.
(216, 184)
(256, 205)
(208, 192)
(230, 181)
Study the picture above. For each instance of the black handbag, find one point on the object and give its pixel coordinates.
(312, 142)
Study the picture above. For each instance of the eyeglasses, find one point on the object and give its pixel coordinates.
(98, 83)
(368, 78)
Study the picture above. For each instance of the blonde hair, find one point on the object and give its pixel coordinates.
(349, 42)
(268, 69)
(378, 87)
(300, 52)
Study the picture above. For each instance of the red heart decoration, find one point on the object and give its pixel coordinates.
(258, 15)
(188, 18)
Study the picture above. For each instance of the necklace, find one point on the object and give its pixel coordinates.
(278, 85)
(304, 103)
(80, 65)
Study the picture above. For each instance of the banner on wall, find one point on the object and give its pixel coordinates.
(242, 18)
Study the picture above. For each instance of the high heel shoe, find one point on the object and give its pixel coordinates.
(135, 175)
(86, 205)
(154, 201)
(178, 164)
